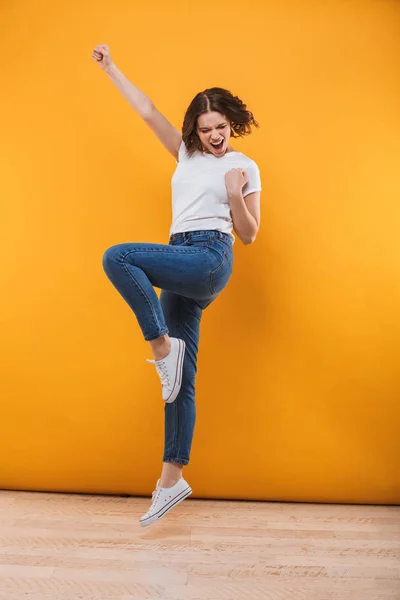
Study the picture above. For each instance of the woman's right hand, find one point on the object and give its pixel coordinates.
(101, 53)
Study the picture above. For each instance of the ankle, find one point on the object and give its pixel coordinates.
(161, 347)
(170, 475)
(169, 482)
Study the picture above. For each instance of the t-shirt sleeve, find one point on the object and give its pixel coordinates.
(254, 183)
(182, 154)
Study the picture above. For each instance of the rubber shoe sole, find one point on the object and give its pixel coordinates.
(146, 521)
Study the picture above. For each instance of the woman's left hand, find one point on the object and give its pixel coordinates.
(235, 179)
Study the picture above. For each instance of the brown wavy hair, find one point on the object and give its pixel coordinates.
(222, 101)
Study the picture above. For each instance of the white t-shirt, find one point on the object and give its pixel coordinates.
(199, 194)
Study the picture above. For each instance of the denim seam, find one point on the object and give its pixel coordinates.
(177, 420)
(179, 461)
(214, 272)
(156, 336)
(172, 249)
(158, 325)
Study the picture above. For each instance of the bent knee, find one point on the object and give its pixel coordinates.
(112, 257)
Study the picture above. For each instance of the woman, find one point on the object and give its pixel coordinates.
(214, 189)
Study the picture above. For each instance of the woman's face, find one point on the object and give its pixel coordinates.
(214, 131)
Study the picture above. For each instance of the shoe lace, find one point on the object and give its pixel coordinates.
(161, 367)
(155, 495)
(163, 372)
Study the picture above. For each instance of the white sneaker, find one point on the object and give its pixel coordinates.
(163, 499)
(170, 370)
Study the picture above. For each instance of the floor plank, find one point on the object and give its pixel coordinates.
(73, 547)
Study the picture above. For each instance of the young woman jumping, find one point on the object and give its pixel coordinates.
(215, 189)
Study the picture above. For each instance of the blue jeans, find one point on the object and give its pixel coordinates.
(191, 272)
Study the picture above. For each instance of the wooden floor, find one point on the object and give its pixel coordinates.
(60, 546)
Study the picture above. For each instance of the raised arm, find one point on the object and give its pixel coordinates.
(168, 135)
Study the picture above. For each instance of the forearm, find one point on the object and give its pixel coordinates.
(136, 98)
(244, 223)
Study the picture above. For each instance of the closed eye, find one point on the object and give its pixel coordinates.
(207, 130)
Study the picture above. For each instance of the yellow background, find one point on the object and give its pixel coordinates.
(299, 381)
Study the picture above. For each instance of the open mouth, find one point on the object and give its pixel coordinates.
(218, 147)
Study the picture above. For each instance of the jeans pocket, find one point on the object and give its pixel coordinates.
(220, 276)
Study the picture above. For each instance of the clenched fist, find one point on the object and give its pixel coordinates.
(101, 53)
(235, 179)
